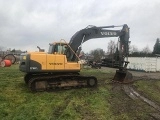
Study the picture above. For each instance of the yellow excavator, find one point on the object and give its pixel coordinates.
(59, 67)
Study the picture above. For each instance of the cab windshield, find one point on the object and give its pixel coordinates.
(58, 48)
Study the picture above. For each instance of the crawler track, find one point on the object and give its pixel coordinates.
(52, 82)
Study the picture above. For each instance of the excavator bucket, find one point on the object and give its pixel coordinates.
(123, 77)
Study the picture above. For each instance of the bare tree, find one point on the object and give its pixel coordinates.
(146, 50)
(111, 47)
(97, 54)
(133, 49)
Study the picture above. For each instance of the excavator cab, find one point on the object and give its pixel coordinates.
(57, 47)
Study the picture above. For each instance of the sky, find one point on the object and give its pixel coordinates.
(26, 24)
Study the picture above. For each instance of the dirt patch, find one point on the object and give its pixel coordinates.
(139, 102)
(121, 104)
(136, 74)
(134, 94)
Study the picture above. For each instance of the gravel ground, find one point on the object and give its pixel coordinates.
(149, 75)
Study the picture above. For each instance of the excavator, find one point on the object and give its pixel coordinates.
(59, 67)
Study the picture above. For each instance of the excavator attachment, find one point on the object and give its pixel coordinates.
(123, 77)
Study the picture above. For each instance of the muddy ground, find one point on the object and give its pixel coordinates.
(137, 74)
(135, 95)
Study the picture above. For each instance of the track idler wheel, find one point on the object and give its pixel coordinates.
(27, 77)
(123, 77)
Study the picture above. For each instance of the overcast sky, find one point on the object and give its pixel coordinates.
(26, 24)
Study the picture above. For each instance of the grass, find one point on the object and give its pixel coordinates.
(106, 102)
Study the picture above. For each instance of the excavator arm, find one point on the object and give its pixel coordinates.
(91, 32)
(122, 75)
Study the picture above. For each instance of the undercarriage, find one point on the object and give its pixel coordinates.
(47, 82)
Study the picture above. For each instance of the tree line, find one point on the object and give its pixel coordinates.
(112, 51)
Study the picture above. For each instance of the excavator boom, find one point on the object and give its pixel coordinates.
(91, 32)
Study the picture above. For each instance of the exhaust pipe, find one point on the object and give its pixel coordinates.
(123, 77)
